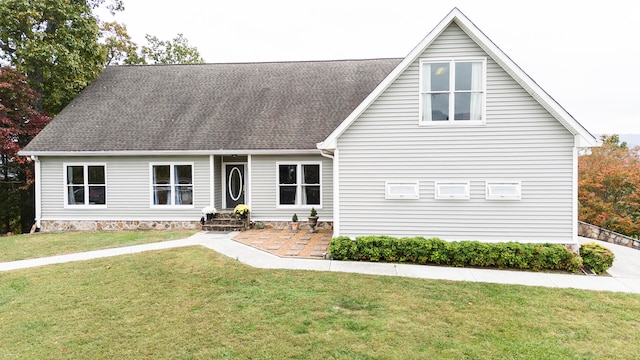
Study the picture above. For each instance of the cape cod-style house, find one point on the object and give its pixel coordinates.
(454, 140)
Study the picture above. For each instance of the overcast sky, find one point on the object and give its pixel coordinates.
(585, 54)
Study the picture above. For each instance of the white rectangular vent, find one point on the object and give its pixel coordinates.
(504, 191)
(452, 190)
(401, 190)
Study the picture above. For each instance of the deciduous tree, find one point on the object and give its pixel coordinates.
(119, 48)
(176, 51)
(60, 46)
(609, 187)
(19, 123)
(54, 43)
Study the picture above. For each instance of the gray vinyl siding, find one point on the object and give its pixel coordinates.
(264, 188)
(128, 189)
(520, 141)
(217, 182)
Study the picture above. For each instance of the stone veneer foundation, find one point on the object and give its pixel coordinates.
(113, 225)
(322, 225)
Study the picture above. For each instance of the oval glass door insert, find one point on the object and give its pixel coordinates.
(235, 184)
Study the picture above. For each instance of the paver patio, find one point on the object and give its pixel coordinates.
(288, 243)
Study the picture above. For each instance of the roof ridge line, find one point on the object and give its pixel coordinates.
(262, 62)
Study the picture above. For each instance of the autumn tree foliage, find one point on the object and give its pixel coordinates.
(19, 123)
(60, 46)
(609, 187)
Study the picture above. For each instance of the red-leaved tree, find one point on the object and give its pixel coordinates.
(19, 123)
(609, 187)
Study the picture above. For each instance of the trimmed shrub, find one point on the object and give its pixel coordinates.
(435, 251)
(596, 257)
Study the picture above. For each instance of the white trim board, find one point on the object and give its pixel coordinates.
(582, 136)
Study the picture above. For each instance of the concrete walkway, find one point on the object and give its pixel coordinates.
(625, 273)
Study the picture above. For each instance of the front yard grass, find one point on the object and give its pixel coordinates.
(192, 303)
(29, 246)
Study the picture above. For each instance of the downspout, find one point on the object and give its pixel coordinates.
(336, 185)
(38, 194)
(578, 150)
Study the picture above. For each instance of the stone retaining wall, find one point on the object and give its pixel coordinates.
(598, 233)
(112, 225)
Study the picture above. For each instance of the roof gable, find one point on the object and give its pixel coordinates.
(582, 136)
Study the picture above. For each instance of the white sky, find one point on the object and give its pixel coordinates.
(584, 53)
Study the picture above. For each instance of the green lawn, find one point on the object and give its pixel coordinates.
(192, 303)
(19, 247)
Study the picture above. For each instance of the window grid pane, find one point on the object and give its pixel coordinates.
(463, 76)
(311, 174)
(439, 107)
(288, 195)
(182, 174)
(288, 174)
(162, 195)
(439, 77)
(97, 195)
(95, 175)
(76, 195)
(75, 175)
(161, 174)
(311, 195)
(462, 106)
(184, 195)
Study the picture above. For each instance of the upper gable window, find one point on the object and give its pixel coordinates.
(452, 91)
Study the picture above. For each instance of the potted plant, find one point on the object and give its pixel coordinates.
(241, 211)
(207, 212)
(313, 220)
(294, 222)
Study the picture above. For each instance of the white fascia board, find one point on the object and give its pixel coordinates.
(586, 139)
(455, 15)
(331, 141)
(168, 152)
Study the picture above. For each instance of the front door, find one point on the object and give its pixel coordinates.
(234, 183)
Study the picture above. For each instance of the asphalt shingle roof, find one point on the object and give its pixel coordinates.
(247, 106)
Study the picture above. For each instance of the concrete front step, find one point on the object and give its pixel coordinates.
(225, 220)
(223, 228)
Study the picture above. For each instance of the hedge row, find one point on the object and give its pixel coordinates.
(434, 251)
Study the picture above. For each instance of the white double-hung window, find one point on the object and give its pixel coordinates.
(452, 91)
(172, 185)
(85, 185)
(299, 185)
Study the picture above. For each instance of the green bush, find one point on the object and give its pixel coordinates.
(418, 250)
(596, 257)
